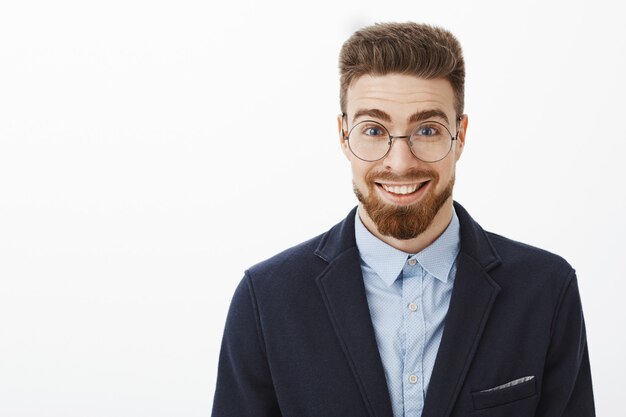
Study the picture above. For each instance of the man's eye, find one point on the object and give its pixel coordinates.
(373, 131)
(426, 131)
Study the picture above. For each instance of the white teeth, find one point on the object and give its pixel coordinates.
(401, 189)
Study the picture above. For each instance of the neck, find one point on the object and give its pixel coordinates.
(417, 244)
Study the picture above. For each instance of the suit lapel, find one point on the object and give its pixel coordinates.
(343, 292)
(473, 297)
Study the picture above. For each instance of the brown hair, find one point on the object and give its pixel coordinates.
(407, 48)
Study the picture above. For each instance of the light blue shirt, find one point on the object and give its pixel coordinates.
(408, 297)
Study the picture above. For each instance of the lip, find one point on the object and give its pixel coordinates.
(404, 199)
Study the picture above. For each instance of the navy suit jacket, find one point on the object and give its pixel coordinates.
(299, 340)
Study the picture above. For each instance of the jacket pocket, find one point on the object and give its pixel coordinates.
(499, 396)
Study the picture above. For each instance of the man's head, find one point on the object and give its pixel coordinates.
(394, 78)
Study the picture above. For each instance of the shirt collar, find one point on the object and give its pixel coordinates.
(437, 259)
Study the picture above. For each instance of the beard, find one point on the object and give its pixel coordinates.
(403, 222)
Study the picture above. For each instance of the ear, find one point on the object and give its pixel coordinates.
(460, 142)
(342, 134)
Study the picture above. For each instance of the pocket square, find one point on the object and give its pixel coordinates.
(519, 389)
(510, 384)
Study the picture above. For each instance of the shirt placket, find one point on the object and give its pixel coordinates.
(414, 330)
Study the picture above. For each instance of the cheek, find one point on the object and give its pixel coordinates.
(446, 172)
(443, 169)
(359, 174)
(356, 167)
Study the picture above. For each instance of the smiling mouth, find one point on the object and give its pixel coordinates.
(404, 189)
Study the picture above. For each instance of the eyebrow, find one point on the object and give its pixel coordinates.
(375, 113)
(414, 118)
(428, 114)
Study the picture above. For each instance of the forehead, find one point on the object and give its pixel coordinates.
(400, 95)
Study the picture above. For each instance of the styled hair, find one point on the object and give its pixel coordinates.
(421, 50)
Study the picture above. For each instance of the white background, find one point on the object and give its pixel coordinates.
(151, 151)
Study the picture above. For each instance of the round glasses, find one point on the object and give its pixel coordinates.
(370, 141)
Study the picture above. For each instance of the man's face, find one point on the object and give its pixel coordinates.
(399, 193)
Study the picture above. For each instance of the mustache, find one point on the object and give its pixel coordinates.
(413, 176)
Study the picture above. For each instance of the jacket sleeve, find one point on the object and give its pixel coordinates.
(567, 390)
(244, 385)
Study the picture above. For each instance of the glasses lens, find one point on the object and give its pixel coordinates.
(369, 140)
(431, 141)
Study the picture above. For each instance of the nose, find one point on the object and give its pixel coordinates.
(400, 158)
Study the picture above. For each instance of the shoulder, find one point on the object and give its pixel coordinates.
(523, 273)
(528, 270)
(302, 263)
(293, 260)
(508, 259)
(525, 256)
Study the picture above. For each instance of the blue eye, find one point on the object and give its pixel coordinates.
(373, 131)
(426, 131)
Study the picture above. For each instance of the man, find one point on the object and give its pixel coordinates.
(407, 307)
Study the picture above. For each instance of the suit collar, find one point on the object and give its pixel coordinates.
(474, 241)
(338, 239)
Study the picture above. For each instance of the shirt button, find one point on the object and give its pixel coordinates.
(412, 262)
(413, 307)
(412, 379)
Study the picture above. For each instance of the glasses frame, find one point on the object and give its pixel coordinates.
(392, 137)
